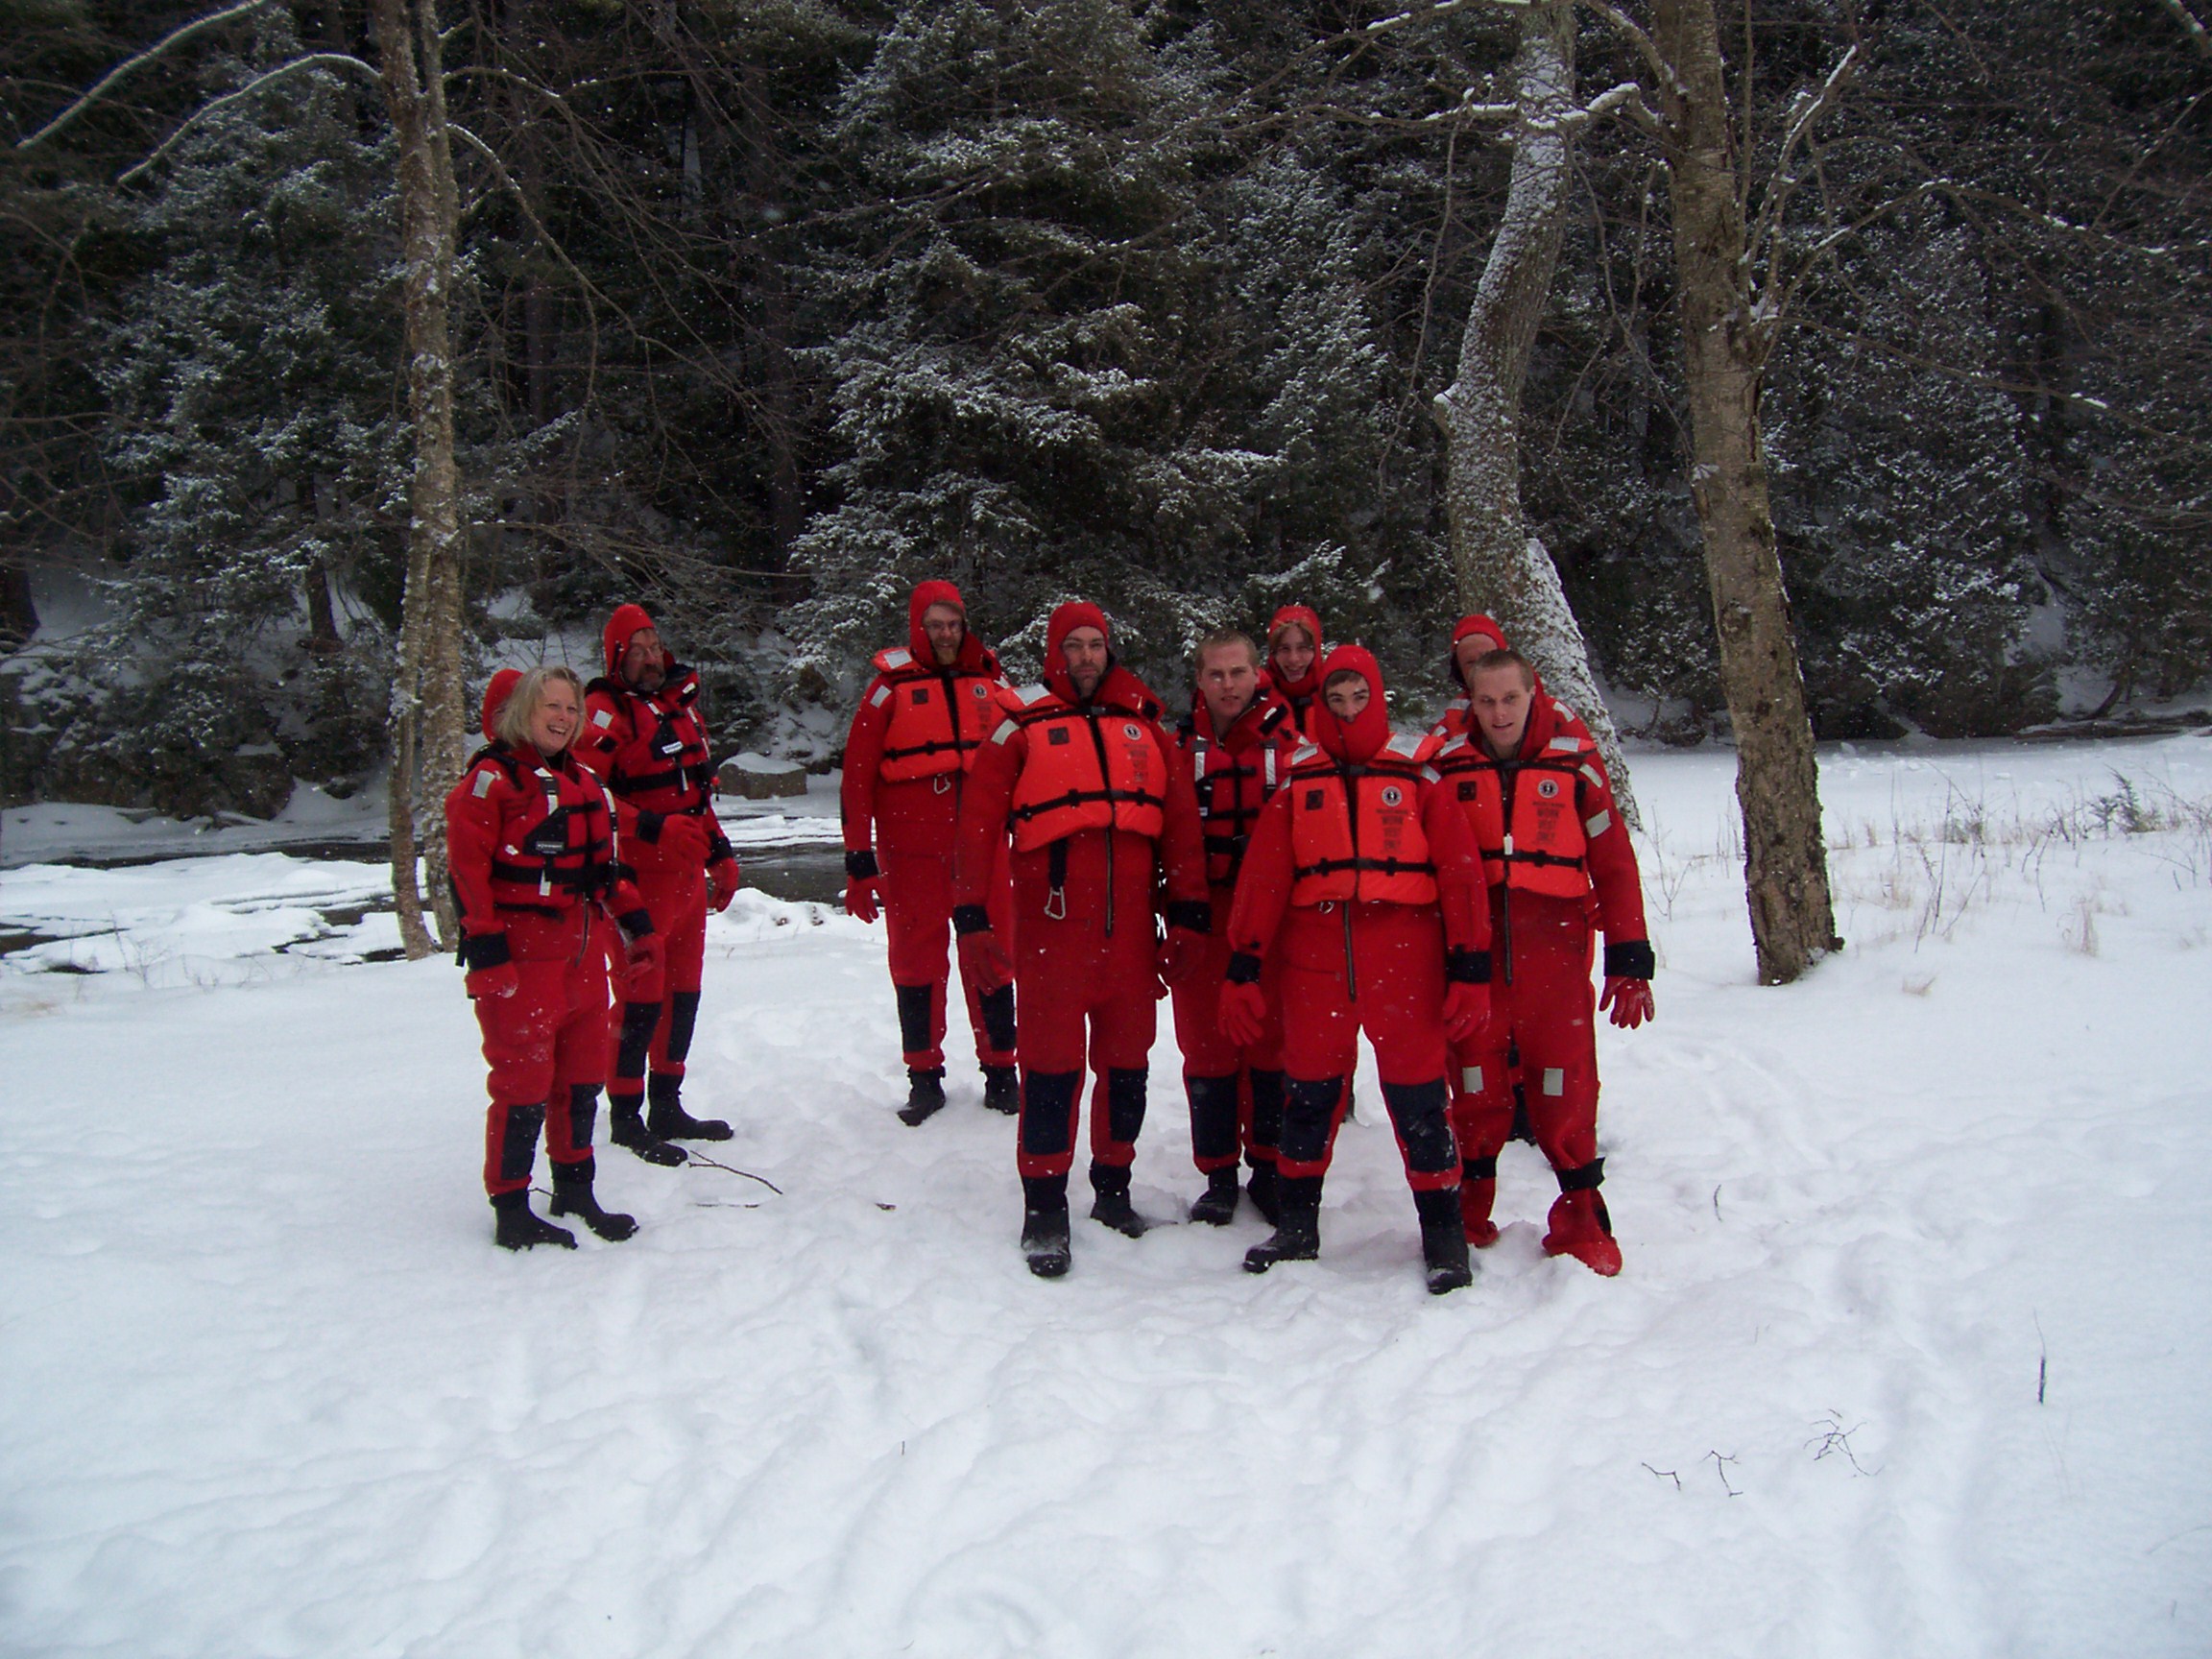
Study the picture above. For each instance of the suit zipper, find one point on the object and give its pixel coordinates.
(1507, 775)
(1351, 816)
(1106, 783)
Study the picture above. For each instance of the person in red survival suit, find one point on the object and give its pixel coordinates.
(1100, 813)
(1362, 875)
(1553, 852)
(1475, 637)
(531, 847)
(914, 739)
(645, 737)
(1236, 746)
(1294, 666)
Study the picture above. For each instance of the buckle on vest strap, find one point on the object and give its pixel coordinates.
(941, 784)
(1056, 904)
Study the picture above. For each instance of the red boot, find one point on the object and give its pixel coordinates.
(1476, 1198)
(1580, 1228)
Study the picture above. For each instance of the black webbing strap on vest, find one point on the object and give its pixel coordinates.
(1079, 797)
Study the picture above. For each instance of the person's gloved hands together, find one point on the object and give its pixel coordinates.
(1629, 999)
(983, 960)
(496, 984)
(683, 839)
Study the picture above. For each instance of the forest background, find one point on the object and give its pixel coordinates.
(762, 312)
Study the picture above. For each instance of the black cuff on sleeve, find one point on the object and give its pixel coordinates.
(860, 864)
(1244, 969)
(1196, 915)
(634, 923)
(970, 919)
(481, 951)
(1465, 967)
(1630, 959)
(718, 848)
(649, 825)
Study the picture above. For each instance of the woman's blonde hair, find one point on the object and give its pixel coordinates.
(511, 724)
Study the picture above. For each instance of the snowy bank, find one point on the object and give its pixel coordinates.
(1909, 1357)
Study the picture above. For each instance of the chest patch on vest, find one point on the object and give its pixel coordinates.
(1548, 789)
(921, 696)
(1313, 800)
(1392, 794)
(1131, 732)
(979, 688)
(1469, 789)
(1056, 735)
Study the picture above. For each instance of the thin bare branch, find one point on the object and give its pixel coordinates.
(314, 60)
(100, 87)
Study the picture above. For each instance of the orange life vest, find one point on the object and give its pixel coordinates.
(938, 717)
(1355, 830)
(1526, 815)
(1090, 767)
(556, 846)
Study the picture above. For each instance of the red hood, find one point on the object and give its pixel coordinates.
(1358, 741)
(495, 697)
(627, 622)
(1310, 620)
(1469, 627)
(972, 656)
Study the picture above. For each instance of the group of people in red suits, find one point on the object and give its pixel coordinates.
(1281, 863)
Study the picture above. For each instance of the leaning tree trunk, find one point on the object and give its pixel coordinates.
(425, 719)
(1725, 347)
(1501, 567)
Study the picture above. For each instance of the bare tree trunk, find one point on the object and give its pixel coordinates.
(1725, 346)
(426, 742)
(1502, 568)
(18, 616)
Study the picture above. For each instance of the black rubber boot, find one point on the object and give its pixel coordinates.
(1002, 1088)
(1217, 1205)
(514, 1228)
(572, 1195)
(1298, 1232)
(924, 1095)
(1112, 1206)
(1261, 1188)
(1444, 1241)
(626, 1129)
(1045, 1238)
(665, 1118)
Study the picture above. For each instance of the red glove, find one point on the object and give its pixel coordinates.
(1243, 1014)
(860, 897)
(683, 839)
(1630, 1000)
(983, 960)
(1180, 955)
(1466, 1009)
(644, 969)
(722, 882)
(497, 983)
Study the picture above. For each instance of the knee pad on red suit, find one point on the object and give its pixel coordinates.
(1214, 1112)
(672, 1037)
(1311, 1109)
(1417, 1115)
(511, 1146)
(1264, 1128)
(1048, 1122)
(1117, 1115)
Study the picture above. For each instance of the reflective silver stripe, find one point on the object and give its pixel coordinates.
(1554, 1080)
(1198, 763)
(1305, 752)
(1404, 745)
(1432, 774)
(1571, 744)
(1006, 729)
(1597, 826)
(1267, 765)
(1033, 693)
(882, 695)
(1470, 1079)
(1591, 771)
(483, 782)
(898, 657)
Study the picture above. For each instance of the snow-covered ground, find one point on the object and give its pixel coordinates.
(1912, 1354)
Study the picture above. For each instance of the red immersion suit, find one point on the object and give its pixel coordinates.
(1361, 877)
(1100, 814)
(651, 752)
(1235, 1092)
(531, 847)
(913, 741)
(1556, 858)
